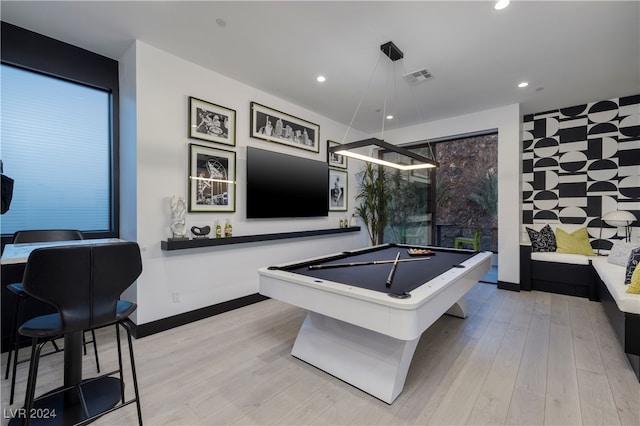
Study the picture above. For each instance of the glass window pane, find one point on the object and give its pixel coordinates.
(56, 145)
(409, 215)
(466, 187)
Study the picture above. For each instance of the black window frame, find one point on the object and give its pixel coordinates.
(37, 53)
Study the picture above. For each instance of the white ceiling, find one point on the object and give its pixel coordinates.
(570, 52)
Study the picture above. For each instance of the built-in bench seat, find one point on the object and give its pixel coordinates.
(586, 276)
(612, 276)
(622, 308)
(561, 273)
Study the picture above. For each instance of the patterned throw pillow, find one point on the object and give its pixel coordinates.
(634, 287)
(634, 259)
(576, 242)
(543, 241)
(620, 252)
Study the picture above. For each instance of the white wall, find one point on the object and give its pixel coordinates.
(507, 120)
(155, 91)
(128, 157)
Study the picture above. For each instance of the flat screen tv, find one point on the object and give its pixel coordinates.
(281, 185)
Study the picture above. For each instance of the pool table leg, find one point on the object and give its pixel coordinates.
(459, 309)
(374, 362)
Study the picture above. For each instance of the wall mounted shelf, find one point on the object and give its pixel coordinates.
(212, 242)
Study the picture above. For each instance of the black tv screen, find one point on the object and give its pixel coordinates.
(280, 185)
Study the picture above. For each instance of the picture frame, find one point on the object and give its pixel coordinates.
(212, 123)
(212, 179)
(335, 160)
(338, 190)
(276, 126)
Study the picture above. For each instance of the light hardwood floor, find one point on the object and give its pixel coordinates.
(519, 358)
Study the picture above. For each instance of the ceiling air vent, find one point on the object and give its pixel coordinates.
(419, 76)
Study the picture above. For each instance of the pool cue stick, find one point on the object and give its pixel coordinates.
(393, 271)
(371, 262)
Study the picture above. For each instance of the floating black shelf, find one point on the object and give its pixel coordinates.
(212, 242)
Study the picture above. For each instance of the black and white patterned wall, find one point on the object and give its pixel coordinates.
(582, 162)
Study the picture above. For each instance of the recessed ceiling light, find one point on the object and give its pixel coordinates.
(501, 4)
(389, 117)
(523, 84)
(321, 79)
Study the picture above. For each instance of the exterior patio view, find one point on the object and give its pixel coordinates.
(454, 205)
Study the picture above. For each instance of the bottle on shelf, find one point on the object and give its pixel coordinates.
(228, 230)
(353, 222)
(218, 230)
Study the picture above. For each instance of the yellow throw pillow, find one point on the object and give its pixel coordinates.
(576, 243)
(634, 287)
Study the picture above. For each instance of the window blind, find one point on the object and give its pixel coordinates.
(55, 144)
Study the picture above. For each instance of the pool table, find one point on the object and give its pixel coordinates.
(358, 327)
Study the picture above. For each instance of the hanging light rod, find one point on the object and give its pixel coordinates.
(344, 149)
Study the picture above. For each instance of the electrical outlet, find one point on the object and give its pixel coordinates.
(176, 297)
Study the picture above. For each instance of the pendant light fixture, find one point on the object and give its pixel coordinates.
(348, 149)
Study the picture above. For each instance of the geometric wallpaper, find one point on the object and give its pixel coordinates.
(582, 162)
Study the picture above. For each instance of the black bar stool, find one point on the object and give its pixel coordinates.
(36, 236)
(84, 283)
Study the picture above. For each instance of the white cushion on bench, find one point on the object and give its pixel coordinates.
(574, 259)
(613, 277)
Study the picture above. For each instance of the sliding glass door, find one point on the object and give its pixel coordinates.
(453, 204)
(410, 217)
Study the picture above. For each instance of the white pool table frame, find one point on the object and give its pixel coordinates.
(364, 337)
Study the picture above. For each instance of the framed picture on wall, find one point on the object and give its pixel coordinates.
(335, 160)
(212, 123)
(212, 179)
(276, 126)
(338, 189)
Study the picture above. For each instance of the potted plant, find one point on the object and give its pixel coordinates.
(373, 201)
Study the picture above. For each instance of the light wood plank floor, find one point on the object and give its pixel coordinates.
(519, 358)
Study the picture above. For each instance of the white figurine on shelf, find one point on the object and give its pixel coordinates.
(178, 212)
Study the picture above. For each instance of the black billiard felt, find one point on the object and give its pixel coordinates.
(408, 275)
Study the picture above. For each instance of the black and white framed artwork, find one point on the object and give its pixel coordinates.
(276, 126)
(335, 160)
(212, 123)
(212, 175)
(338, 190)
